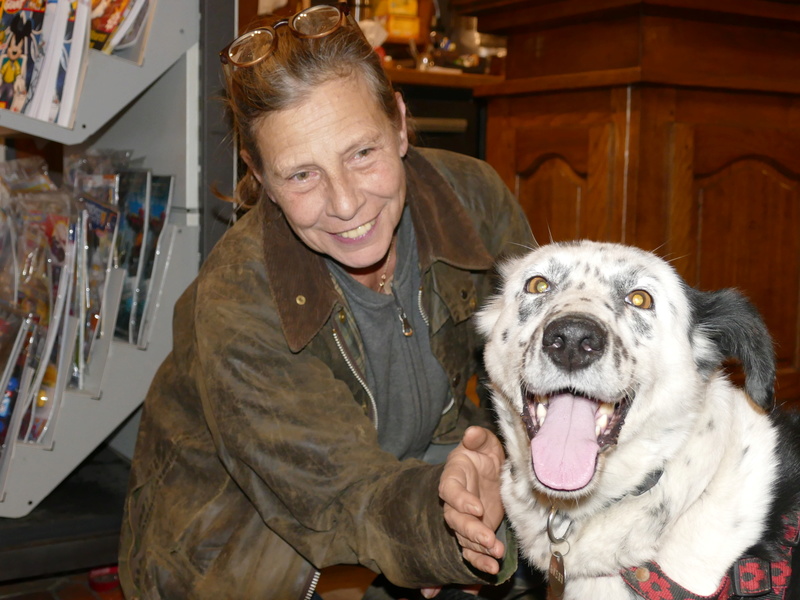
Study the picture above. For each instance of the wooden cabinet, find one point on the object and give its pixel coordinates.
(673, 125)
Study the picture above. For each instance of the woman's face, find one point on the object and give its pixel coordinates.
(334, 166)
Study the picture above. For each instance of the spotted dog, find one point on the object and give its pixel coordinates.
(635, 468)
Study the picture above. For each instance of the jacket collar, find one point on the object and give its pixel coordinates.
(299, 279)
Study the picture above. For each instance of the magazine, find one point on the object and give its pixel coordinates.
(20, 371)
(46, 251)
(24, 175)
(102, 187)
(134, 200)
(21, 53)
(134, 19)
(106, 15)
(43, 94)
(73, 67)
(160, 203)
(13, 328)
(99, 230)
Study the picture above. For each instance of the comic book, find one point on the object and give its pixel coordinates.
(102, 187)
(20, 371)
(43, 92)
(134, 200)
(24, 175)
(160, 204)
(99, 232)
(139, 28)
(132, 16)
(107, 15)
(46, 251)
(13, 327)
(43, 236)
(21, 50)
(73, 70)
(93, 161)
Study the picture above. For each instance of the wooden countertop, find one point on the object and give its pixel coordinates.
(440, 79)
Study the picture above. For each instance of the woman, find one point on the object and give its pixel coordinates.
(320, 358)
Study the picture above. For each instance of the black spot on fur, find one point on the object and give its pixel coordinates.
(526, 309)
(504, 336)
(641, 326)
(558, 272)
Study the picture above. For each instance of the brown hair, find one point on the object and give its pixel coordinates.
(287, 76)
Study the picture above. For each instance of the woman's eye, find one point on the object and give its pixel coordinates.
(363, 153)
(640, 299)
(301, 176)
(537, 285)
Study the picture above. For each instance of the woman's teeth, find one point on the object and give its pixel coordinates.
(358, 231)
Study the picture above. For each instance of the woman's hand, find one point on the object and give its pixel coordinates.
(470, 490)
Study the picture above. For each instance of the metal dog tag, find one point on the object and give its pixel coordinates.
(557, 575)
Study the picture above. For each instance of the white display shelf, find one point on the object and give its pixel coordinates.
(150, 110)
(111, 82)
(85, 421)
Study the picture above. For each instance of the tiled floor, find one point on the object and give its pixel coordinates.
(66, 587)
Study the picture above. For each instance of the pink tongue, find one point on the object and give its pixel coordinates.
(564, 451)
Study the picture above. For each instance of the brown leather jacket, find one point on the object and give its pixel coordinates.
(257, 462)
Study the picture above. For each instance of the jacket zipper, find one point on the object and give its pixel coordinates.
(422, 310)
(357, 375)
(312, 586)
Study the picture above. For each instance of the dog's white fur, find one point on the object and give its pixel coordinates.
(715, 446)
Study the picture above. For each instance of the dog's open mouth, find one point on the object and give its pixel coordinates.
(567, 431)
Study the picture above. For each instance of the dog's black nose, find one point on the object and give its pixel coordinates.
(574, 342)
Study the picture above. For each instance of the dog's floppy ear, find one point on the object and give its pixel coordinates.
(736, 330)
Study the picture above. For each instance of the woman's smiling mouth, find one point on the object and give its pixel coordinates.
(359, 231)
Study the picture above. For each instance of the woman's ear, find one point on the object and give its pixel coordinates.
(248, 160)
(401, 106)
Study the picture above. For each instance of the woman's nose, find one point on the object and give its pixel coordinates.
(343, 201)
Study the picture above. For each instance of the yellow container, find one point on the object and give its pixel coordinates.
(400, 26)
(406, 8)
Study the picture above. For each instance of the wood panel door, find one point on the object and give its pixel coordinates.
(564, 156)
(743, 199)
(708, 180)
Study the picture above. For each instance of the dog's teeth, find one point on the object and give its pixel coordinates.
(602, 423)
(541, 413)
(606, 409)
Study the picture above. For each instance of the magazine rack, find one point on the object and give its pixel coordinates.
(152, 111)
(111, 83)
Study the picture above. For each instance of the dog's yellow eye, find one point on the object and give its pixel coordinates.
(537, 285)
(639, 299)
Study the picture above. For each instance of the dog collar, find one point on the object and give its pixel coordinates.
(556, 571)
(748, 577)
